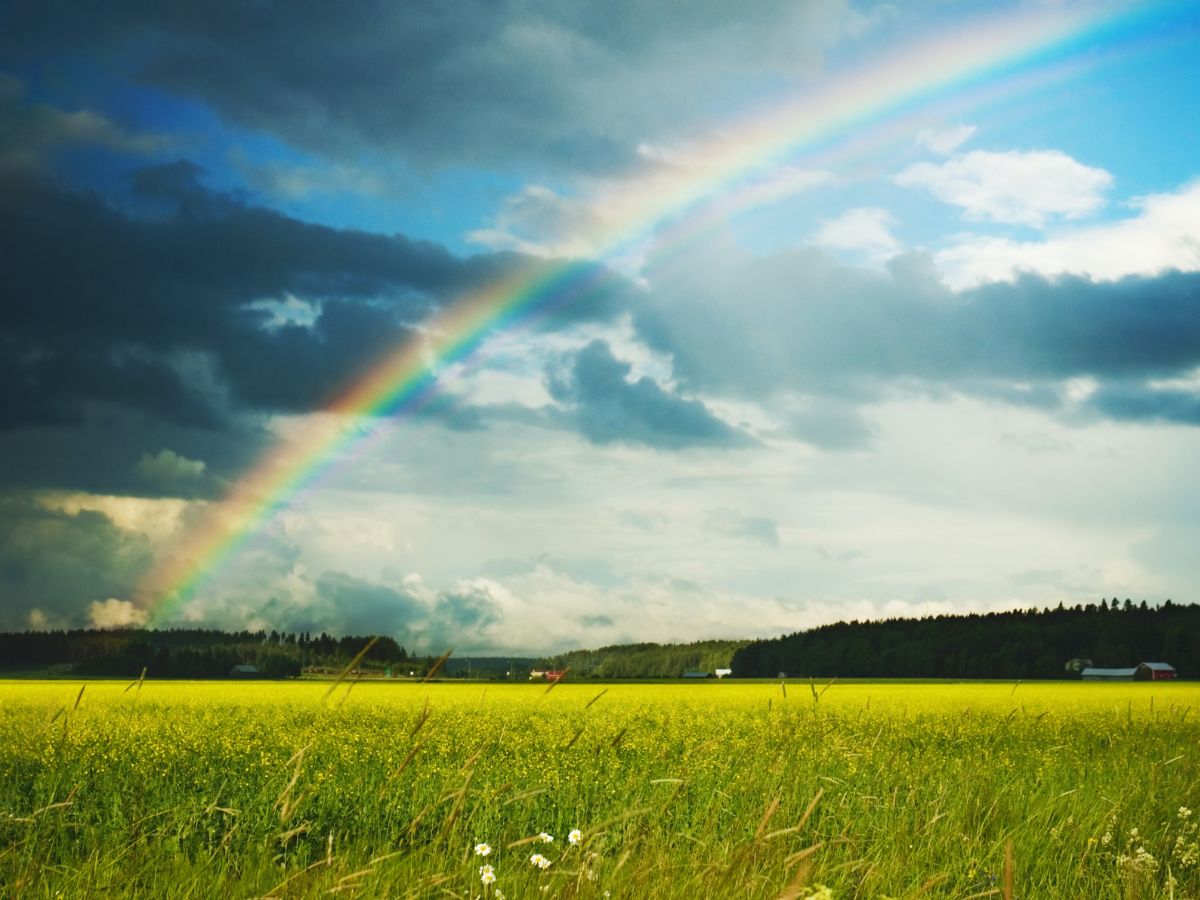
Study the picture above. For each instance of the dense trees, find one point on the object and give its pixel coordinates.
(188, 653)
(1018, 644)
(647, 660)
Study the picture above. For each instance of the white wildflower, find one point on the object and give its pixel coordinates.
(487, 874)
(1140, 863)
(483, 849)
(540, 861)
(1186, 853)
(1184, 812)
(576, 836)
(545, 838)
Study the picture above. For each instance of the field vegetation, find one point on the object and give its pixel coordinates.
(206, 789)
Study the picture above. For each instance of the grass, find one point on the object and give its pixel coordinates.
(194, 789)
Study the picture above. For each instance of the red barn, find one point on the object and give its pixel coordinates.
(1158, 671)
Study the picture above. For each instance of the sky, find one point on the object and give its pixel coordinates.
(520, 327)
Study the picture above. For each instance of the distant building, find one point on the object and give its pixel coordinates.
(1094, 673)
(546, 675)
(243, 672)
(1147, 671)
(721, 673)
(1158, 671)
(696, 673)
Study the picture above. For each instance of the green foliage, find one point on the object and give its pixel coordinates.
(1018, 644)
(647, 660)
(180, 789)
(188, 653)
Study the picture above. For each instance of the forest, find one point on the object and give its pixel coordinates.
(192, 653)
(646, 660)
(1017, 644)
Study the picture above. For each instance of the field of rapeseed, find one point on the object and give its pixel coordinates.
(164, 790)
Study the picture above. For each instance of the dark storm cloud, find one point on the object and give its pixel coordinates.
(476, 82)
(343, 604)
(32, 132)
(348, 605)
(103, 454)
(163, 308)
(100, 306)
(1139, 401)
(608, 408)
(60, 563)
(803, 323)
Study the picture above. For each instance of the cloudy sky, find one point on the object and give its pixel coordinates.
(892, 309)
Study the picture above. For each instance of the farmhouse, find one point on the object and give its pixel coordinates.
(1156, 671)
(243, 672)
(1147, 671)
(721, 673)
(1094, 673)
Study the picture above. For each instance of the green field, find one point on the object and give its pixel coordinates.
(191, 789)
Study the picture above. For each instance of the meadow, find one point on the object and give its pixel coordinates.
(867, 790)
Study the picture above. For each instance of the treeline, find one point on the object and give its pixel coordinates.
(191, 653)
(646, 660)
(1018, 644)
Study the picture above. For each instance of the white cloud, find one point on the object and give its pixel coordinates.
(1163, 236)
(866, 230)
(167, 468)
(1015, 188)
(540, 221)
(295, 182)
(33, 130)
(156, 518)
(622, 221)
(114, 613)
(944, 141)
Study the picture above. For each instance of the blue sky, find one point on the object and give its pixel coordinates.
(952, 364)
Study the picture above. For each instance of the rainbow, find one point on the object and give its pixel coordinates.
(652, 215)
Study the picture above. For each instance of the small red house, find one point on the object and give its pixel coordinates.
(1157, 671)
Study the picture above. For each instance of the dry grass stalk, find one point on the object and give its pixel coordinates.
(404, 765)
(350, 666)
(799, 880)
(135, 684)
(288, 802)
(772, 808)
(931, 882)
(1008, 870)
(273, 893)
(554, 682)
(571, 743)
(441, 661)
